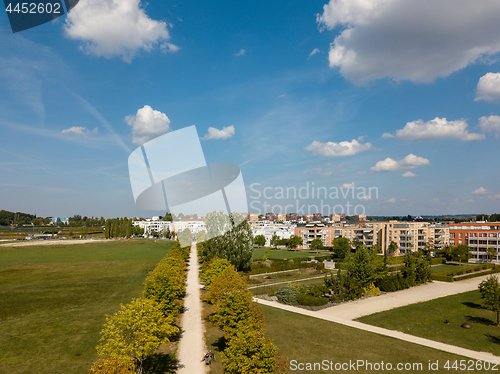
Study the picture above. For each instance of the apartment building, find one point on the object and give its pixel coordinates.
(281, 217)
(253, 217)
(408, 236)
(269, 230)
(479, 236)
(360, 217)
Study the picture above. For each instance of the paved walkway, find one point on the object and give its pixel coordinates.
(192, 344)
(345, 313)
(359, 308)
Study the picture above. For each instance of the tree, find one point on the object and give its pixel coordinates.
(185, 238)
(136, 331)
(200, 236)
(249, 352)
(490, 292)
(341, 247)
(226, 282)
(492, 253)
(113, 365)
(167, 217)
(294, 241)
(361, 267)
(393, 248)
(212, 269)
(260, 240)
(317, 244)
(234, 244)
(275, 241)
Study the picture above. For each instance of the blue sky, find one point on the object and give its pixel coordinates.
(395, 95)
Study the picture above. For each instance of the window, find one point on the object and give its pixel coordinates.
(460, 236)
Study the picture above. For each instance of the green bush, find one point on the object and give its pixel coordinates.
(287, 295)
(308, 300)
(436, 261)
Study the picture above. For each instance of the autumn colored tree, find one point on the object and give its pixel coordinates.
(113, 365)
(249, 352)
(136, 331)
(210, 270)
(226, 282)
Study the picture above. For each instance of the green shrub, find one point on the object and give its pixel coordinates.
(436, 261)
(372, 290)
(308, 300)
(287, 295)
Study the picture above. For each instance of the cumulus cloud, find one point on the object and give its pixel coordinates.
(241, 52)
(490, 125)
(409, 174)
(214, 133)
(79, 131)
(409, 162)
(480, 191)
(169, 48)
(437, 128)
(111, 28)
(391, 200)
(348, 185)
(409, 40)
(332, 149)
(147, 124)
(488, 87)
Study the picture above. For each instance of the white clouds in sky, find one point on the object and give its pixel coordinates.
(488, 87)
(111, 28)
(217, 134)
(147, 124)
(318, 170)
(409, 40)
(241, 52)
(409, 174)
(348, 185)
(409, 162)
(79, 131)
(480, 191)
(392, 200)
(332, 149)
(490, 125)
(314, 51)
(438, 128)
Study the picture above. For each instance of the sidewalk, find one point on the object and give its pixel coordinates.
(192, 344)
(345, 313)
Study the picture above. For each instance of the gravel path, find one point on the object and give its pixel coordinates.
(192, 344)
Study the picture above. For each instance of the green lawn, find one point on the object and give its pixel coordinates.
(307, 339)
(53, 300)
(259, 254)
(440, 268)
(428, 320)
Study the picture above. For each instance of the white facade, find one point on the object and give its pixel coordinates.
(268, 230)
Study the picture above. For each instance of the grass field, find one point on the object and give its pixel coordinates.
(428, 320)
(259, 254)
(53, 300)
(307, 339)
(440, 268)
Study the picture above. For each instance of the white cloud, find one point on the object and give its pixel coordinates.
(365, 197)
(147, 124)
(348, 185)
(332, 149)
(391, 200)
(318, 170)
(79, 130)
(314, 51)
(480, 191)
(111, 28)
(241, 52)
(409, 40)
(436, 201)
(488, 87)
(470, 201)
(214, 133)
(409, 162)
(169, 48)
(490, 125)
(409, 174)
(361, 172)
(437, 128)
(497, 196)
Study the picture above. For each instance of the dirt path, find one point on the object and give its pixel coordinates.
(26, 243)
(192, 344)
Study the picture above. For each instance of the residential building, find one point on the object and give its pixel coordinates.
(479, 236)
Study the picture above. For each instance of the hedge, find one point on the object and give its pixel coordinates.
(436, 261)
(309, 300)
(470, 272)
